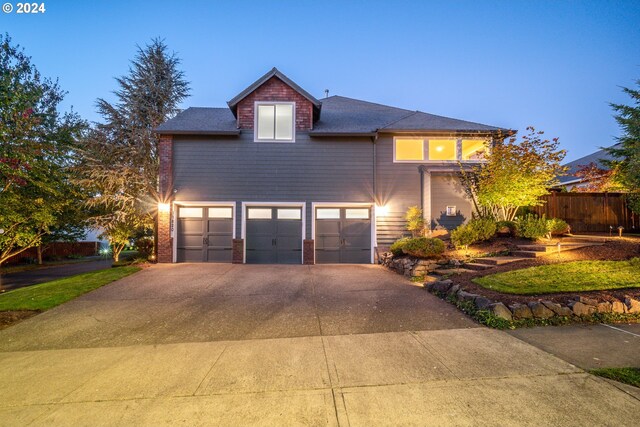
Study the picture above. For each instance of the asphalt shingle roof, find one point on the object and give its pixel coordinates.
(339, 115)
(198, 120)
(575, 165)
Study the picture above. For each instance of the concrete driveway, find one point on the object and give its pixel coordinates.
(284, 345)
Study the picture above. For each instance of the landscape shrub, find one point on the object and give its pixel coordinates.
(557, 226)
(532, 227)
(476, 230)
(506, 228)
(144, 246)
(423, 247)
(396, 247)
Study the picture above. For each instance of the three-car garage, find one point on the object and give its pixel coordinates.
(274, 233)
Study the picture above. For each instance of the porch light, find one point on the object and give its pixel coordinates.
(381, 210)
(164, 207)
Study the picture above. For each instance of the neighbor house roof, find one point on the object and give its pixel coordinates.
(598, 158)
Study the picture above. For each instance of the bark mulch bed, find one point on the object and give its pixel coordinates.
(8, 318)
(614, 249)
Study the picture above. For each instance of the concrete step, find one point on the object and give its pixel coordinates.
(554, 248)
(530, 254)
(449, 271)
(497, 260)
(477, 266)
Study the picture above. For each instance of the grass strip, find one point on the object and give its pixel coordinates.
(629, 376)
(50, 294)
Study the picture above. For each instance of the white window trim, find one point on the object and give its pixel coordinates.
(425, 150)
(243, 227)
(255, 122)
(395, 138)
(489, 144)
(372, 218)
(174, 222)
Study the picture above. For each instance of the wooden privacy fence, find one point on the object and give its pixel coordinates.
(592, 212)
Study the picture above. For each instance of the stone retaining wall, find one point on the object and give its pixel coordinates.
(542, 309)
(410, 266)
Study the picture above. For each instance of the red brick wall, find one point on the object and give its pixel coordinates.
(275, 89)
(165, 242)
(309, 252)
(238, 251)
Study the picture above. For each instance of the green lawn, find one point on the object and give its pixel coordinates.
(624, 375)
(50, 294)
(566, 277)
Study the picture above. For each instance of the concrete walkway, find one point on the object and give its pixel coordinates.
(151, 361)
(21, 279)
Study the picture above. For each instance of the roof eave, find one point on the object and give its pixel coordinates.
(197, 132)
(505, 132)
(328, 134)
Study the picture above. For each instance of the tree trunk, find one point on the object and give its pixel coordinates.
(39, 252)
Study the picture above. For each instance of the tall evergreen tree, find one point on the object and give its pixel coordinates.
(627, 165)
(120, 156)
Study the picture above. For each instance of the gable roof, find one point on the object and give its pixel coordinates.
(274, 72)
(333, 116)
(348, 116)
(598, 157)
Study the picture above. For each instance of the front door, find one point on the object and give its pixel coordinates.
(274, 235)
(343, 235)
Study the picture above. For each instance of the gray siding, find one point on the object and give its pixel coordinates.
(447, 191)
(397, 188)
(238, 169)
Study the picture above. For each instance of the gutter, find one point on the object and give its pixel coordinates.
(195, 132)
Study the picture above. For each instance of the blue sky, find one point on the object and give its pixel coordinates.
(552, 64)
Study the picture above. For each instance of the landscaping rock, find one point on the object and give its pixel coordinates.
(604, 307)
(482, 303)
(618, 307)
(581, 309)
(633, 305)
(540, 311)
(557, 308)
(466, 296)
(521, 311)
(500, 310)
(588, 301)
(442, 286)
(453, 290)
(431, 279)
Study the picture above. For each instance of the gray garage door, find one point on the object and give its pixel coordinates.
(205, 234)
(274, 235)
(343, 235)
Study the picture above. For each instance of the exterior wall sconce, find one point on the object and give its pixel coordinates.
(164, 207)
(381, 210)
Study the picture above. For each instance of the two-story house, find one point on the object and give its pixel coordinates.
(279, 176)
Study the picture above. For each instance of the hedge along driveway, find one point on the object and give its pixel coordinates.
(50, 294)
(566, 277)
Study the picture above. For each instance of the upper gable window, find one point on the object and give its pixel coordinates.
(274, 122)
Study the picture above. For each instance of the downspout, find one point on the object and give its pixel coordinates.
(421, 169)
(375, 175)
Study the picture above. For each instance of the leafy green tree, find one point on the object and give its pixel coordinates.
(627, 165)
(415, 221)
(36, 143)
(120, 156)
(516, 174)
